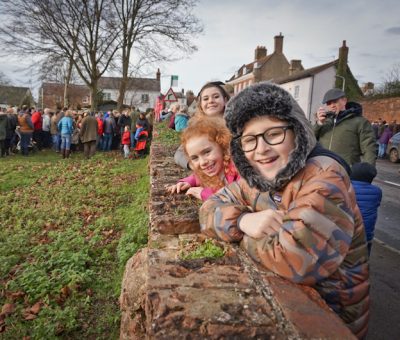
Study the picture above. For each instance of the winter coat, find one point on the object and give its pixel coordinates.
(25, 122)
(100, 124)
(386, 135)
(369, 199)
(181, 121)
(109, 125)
(65, 126)
(124, 120)
(53, 125)
(88, 131)
(3, 125)
(46, 122)
(181, 158)
(316, 211)
(126, 138)
(11, 125)
(231, 175)
(349, 134)
(171, 123)
(37, 121)
(143, 123)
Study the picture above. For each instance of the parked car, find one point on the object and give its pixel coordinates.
(393, 148)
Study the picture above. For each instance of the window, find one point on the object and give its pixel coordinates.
(85, 100)
(106, 96)
(145, 98)
(296, 91)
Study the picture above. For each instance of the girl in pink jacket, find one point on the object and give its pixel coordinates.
(206, 143)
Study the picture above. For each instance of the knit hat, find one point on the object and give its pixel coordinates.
(363, 172)
(266, 99)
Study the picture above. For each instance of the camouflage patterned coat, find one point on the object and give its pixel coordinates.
(321, 242)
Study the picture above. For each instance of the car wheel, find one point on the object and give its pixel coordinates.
(394, 155)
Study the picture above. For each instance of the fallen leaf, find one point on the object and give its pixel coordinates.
(35, 309)
(8, 309)
(65, 291)
(89, 292)
(29, 316)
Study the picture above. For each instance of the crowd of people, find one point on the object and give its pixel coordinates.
(298, 197)
(65, 131)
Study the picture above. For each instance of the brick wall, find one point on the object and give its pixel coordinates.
(388, 109)
(166, 297)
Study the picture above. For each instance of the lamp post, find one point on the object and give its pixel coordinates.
(343, 81)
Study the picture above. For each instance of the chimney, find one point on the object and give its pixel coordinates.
(260, 52)
(158, 75)
(341, 70)
(343, 53)
(279, 43)
(295, 66)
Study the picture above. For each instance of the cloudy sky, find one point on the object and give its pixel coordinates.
(313, 32)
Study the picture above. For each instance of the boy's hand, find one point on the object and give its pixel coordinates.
(195, 192)
(262, 223)
(178, 187)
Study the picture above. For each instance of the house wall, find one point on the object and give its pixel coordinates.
(241, 83)
(133, 98)
(323, 81)
(312, 90)
(276, 67)
(303, 98)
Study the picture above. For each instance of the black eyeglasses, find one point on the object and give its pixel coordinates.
(272, 136)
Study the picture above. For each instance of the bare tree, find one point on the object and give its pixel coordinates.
(4, 79)
(153, 30)
(82, 31)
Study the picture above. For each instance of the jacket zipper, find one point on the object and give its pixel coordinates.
(333, 131)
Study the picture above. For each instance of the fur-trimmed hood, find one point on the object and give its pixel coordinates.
(266, 99)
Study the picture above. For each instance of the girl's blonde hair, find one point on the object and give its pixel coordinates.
(217, 132)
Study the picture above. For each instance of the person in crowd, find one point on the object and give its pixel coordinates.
(341, 128)
(75, 140)
(126, 140)
(12, 122)
(368, 197)
(181, 118)
(141, 137)
(66, 128)
(55, 134)
(124, 120)
(88, 135)
(206, 144)
(142, 122)
(211, 101)
(25, 129)
(294, 209)
(100, 131)
(37, 121)
(46, 134)
(3, 132)
(174, 109)
(109, 129)
(384, 140)
(381, 127)
(134, 117)
(166, 114)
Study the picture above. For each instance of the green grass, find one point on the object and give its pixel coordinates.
(167, 136)
(67, 228)
(205, 250)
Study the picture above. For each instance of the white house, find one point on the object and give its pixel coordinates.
(309, 86)
(141, 93)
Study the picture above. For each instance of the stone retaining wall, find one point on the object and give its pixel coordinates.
(166, 297)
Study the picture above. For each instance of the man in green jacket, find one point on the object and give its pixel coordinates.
(341, 128)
